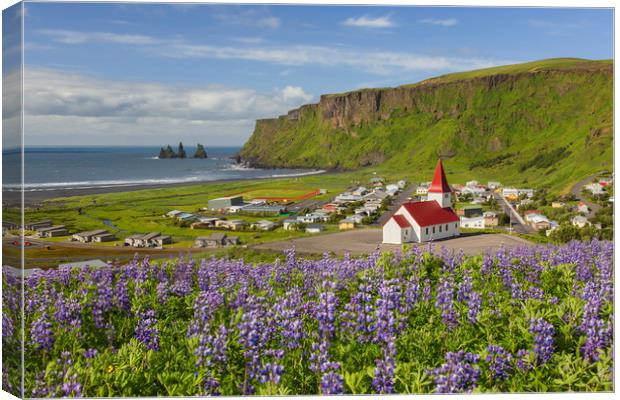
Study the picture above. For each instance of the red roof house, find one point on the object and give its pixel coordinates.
(425, 220)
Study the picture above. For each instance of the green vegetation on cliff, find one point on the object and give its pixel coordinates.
(542, 123)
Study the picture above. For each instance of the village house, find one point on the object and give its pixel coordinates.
(233, 225)
(473, 222)
(52, 231)
(422, 189)
(579, 221)
(87, 236)
(530, 214)
(553, 226)
(540, 222)
(347, 223)
(347, 197)
(375, 195)
(204, 222)
(224, 203)
(425, 220)
(513, 194)
(595, 188)
(582, 207)
(310, 218)
(490, 218)
(558, 204)
(290, 224)
(264, 225)
(315, 228)
(216, 240)
(606, 181)
(494, 185)
(402, 184)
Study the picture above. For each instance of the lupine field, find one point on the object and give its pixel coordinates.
(533, 319)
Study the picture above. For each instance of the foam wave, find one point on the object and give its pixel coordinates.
(315, 172)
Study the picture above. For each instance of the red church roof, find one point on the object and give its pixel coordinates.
(401, 221)
(440, 183)
(427, 213)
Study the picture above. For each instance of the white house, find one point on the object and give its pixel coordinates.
(425, 220)
(473, 222)
(579, 221)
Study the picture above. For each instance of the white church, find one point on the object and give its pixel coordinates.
(424, 221)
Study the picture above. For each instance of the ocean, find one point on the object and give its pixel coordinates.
(52, 168)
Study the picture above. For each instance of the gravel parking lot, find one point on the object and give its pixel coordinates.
(363, 241)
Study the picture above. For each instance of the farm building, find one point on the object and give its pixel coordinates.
(104, 237)
(471, 211)
(153, 239)
(87, 236)
(173, 213)
(425, 220)
(216, 240)
(53, 231)
(264, 209)
(224, 203)
(33, 226)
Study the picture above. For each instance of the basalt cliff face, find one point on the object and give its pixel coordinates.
(510, 113)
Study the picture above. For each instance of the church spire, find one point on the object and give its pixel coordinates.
(440, 183)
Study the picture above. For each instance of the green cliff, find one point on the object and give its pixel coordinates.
(546, 122)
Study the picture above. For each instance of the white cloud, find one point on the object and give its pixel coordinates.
(75, 37)
(369, 22)
(59, 103)
(440, 22)
(368, 60)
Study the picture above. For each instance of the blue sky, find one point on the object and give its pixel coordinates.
(137, 74)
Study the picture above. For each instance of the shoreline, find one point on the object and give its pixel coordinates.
(36, 197)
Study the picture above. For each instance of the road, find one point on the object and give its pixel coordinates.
(365, 241)
(518, 224)
(396, 202)
(576, 191)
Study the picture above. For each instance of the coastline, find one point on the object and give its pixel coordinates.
(35, 197)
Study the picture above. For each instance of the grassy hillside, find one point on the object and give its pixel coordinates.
(545, 123)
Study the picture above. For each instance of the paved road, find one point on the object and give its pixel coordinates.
(576, 191)
(518, 224)
(364, 241)
(396, 202)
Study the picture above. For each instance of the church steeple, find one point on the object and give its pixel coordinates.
(440, 190)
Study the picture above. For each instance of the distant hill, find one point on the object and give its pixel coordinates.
(547, 122)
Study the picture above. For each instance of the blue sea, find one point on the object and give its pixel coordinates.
(52, 168)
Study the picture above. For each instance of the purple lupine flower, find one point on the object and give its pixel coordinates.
(332, 382)
(523, 363)
(543, 340)
(326, 312)
(459, 373)
(383, 382)
(7, 325)
(121, 295)
(68, 313)
(444, 302)
(211, 355)
(42, 335)
(474, 305)
(500, 362)
(147, 331)
(358, 318)
(598, 333)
